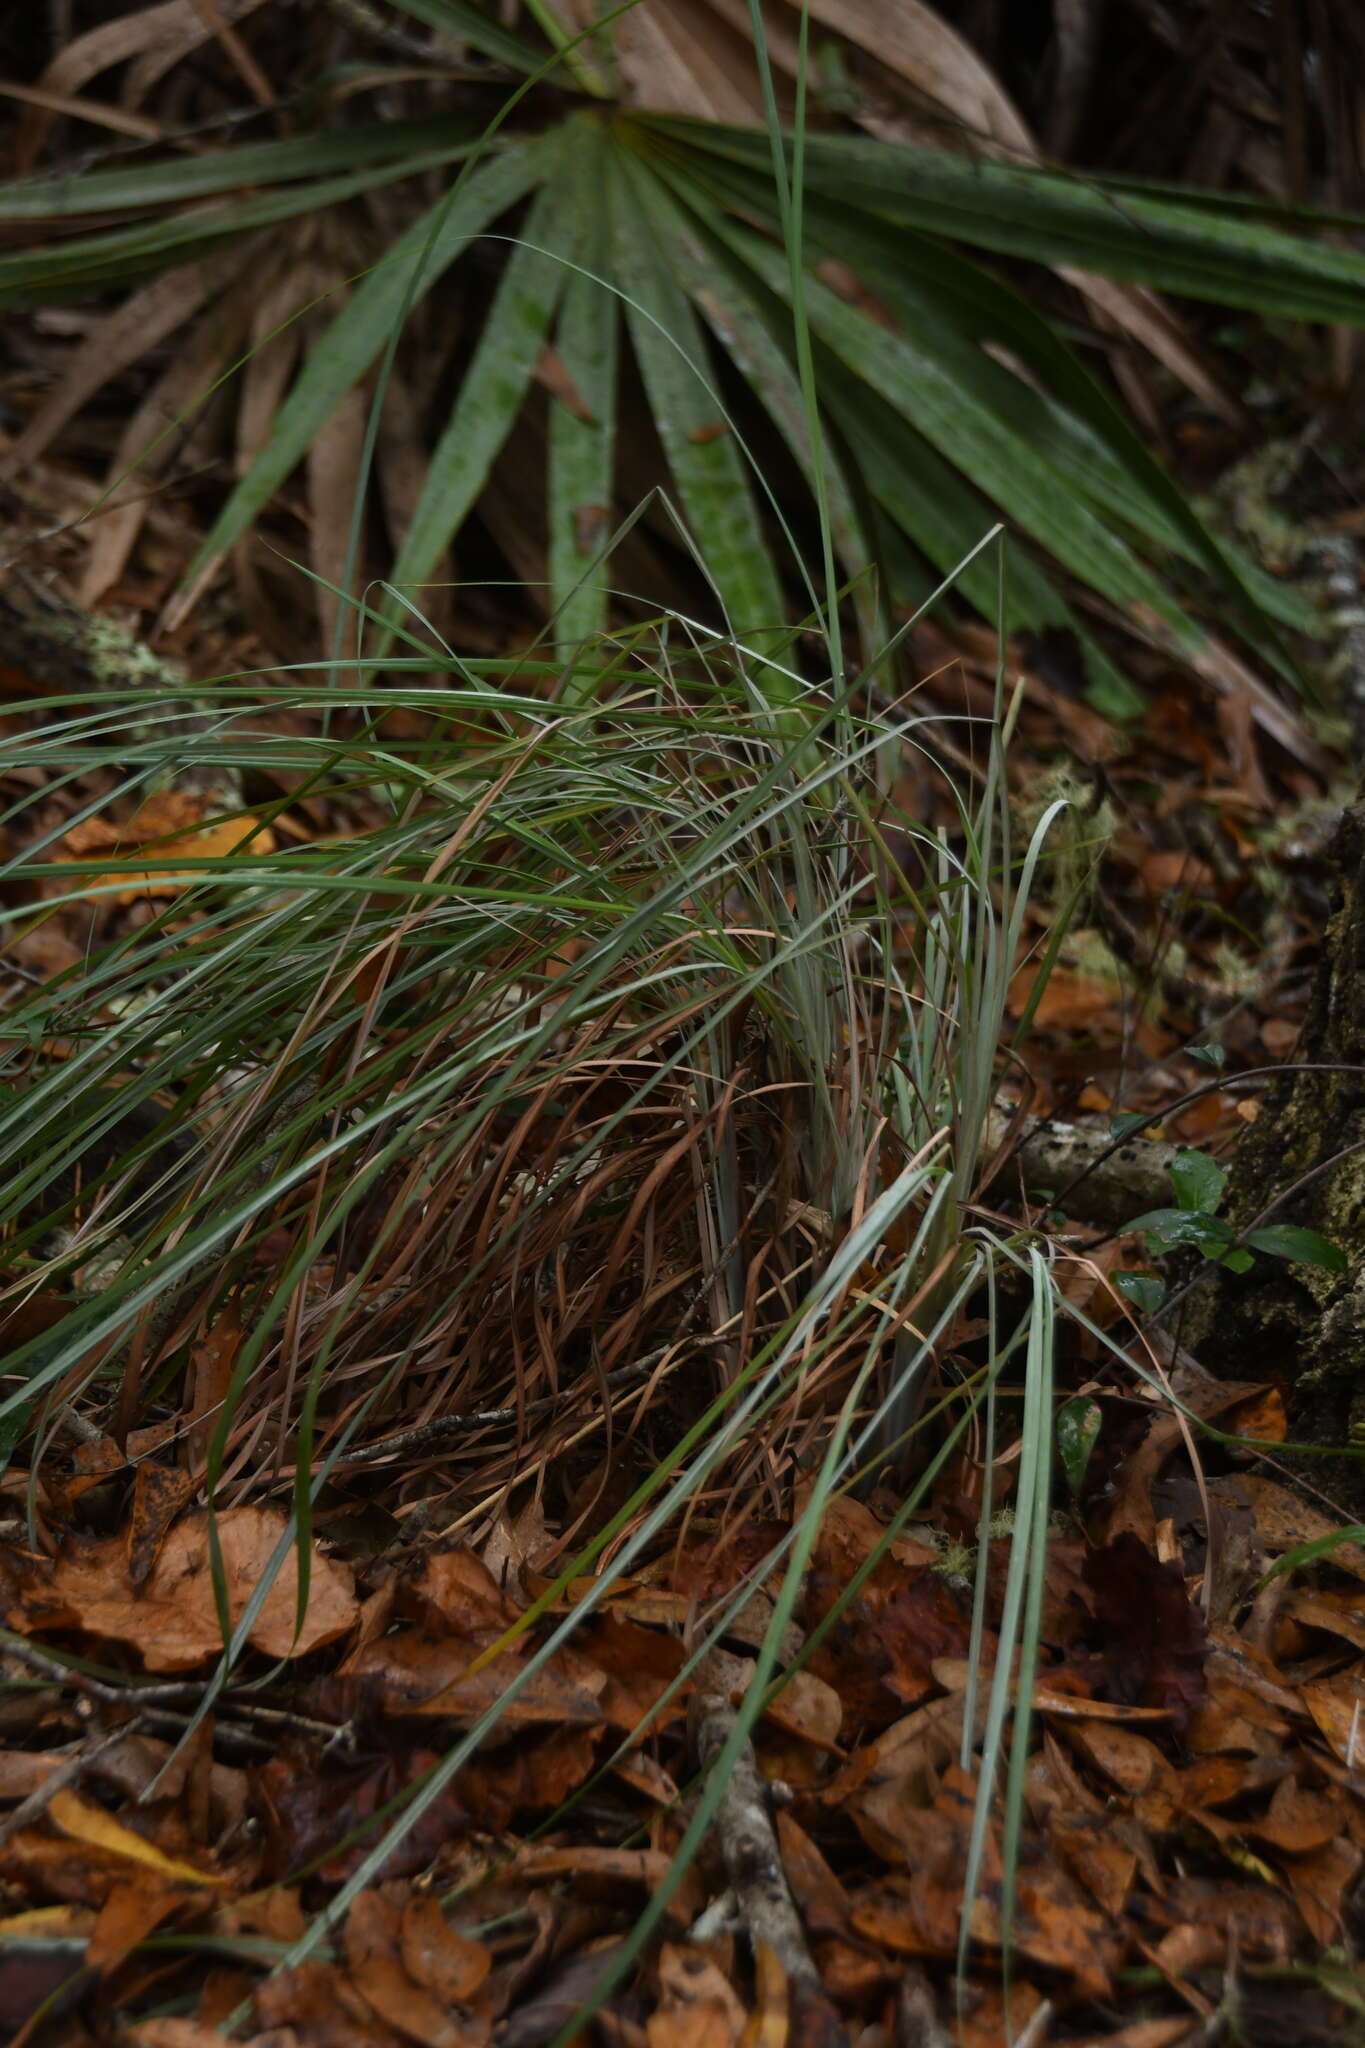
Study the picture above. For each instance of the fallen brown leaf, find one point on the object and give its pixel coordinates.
(374, 1960)
(697, 2008)
(132, 1911)
(1323, 1885)
(173, 1622)
(1284, 1521)
(159, 1493)
(436, 1956)
(1337, 1704)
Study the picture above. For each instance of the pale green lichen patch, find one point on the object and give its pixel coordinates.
(115, 657)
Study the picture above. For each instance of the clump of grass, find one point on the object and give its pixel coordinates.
(619, 1090)
(617, 1005)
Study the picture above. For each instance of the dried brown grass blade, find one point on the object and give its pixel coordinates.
(236, 51)
(143, 454)
(333, 478)
(74, 108)
(161, 35)
(1144, 315)
(400, 460)
(113, 344)
(680, 60)
(275, 337)
(183, 36)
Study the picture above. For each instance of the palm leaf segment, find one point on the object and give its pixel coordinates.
(948, 401)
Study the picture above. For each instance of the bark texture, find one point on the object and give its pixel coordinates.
(1298, 1323)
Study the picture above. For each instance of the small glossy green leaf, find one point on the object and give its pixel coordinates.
(1212, 1055)
(1198, 1181)
(1078, 1429)
(1146, 1291)
(1236, 1262)
(1304, 1247)
(1130, 1121)
(1183, 1226)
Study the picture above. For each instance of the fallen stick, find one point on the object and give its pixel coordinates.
(753, 1863)
(1096, 1179)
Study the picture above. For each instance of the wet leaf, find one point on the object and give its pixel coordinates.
(1305, 1247)
(1198, 1182)
(159, 1494)
(1184, 1226)
(1146, 1291)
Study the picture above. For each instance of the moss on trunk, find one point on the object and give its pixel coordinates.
(1302, 1324)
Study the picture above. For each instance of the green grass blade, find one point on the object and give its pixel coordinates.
(1029, 451)
(745, 320)
(1070, 420)
(477, 26)
(1020, 1617)
(934, 504)
(789, 184)
(942, 397)
(76, 269)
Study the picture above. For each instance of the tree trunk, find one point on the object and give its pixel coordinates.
(1301, 1324)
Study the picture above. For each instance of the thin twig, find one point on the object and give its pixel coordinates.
(174, 1692)
(66, 1773)
(442, 1427)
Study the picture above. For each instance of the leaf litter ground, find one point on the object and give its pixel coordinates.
(1194, 1824)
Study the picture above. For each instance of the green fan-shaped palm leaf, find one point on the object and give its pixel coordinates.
(948, 399)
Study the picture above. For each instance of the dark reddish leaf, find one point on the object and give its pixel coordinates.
(1147, 1636)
